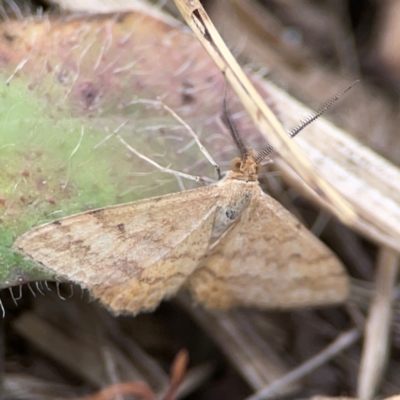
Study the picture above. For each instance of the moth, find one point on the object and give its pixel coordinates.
(228, 243)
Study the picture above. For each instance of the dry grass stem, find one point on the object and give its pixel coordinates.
(379, 321)
(344, 341)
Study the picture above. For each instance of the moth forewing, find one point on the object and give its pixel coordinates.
(268, 260)
(132, 255)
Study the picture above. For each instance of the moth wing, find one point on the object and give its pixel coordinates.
(269, 260)
(132, 255)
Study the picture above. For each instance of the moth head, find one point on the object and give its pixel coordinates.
(245, 168)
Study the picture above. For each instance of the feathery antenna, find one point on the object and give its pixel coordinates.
(294, 131)
(232, 128)
(264, 154)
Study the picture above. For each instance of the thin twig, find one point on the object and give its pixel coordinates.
(186, 126)
(160, 167)
(376, 342)
(343, 341)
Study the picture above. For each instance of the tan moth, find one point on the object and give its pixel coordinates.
(229, 243)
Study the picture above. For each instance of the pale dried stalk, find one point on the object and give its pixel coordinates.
(368, 181)
(343, 206)
(262, 116)
(376, 342)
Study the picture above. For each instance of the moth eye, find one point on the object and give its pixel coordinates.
(258, 168)
(236, 164)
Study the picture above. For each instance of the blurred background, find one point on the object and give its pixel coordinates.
(62, 345)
